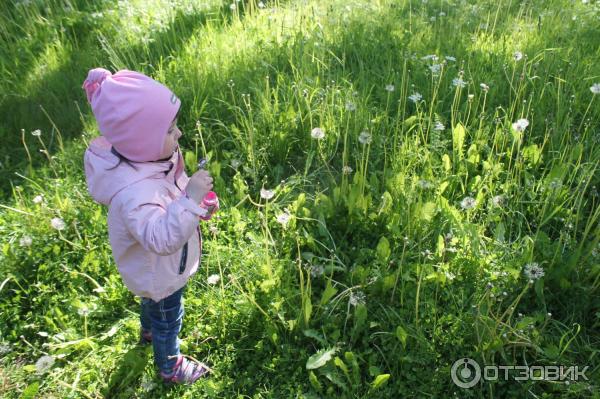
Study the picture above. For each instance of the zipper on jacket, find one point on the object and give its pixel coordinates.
(183, 259)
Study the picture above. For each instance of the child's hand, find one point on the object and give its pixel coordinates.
(199, 185)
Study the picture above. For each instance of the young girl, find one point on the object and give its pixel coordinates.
(136, 168)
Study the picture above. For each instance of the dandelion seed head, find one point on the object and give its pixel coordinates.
(213, 279)
(533, 271)
(468, 203)
(439, 126)
(518, 56)
(459, 82)
(484, 87)
(57, 223)
(357, 298)
(283, 218)
(498, 201)
(350, 106)
(346, 170)
(266, 194)
(25, 241)
(415, 97)
(37, 199)
(37, 132)
(595, 89)
(520, 125)
(317, 133)
(364, 137)
(390, 88)
(44, 364)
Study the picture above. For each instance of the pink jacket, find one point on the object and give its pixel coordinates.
(149, 220)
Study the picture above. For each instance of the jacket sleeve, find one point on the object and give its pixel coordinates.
(162, 230)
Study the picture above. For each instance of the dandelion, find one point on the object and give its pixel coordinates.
(57, 223)
(37, 199)
(468, 203)
(357, 298)
(235, 163)
(450, 58)
(317, 133)
(449, 275)
(484, 87)
(4, 349)
(350, 106)
(427, 254)
(37, 132)
(266, 194)
(425, 184)
(431, 57)
(25, 241)
(83, 311)
(471, 96)
(213, 229)
(44, 364)
(364, 137)
(261, 4)
(439, 126)
(498, 201)
(316, 270)
(390, 88)
(518, 56)
(346, 170)
(232, 6)
(595, 89)
(435, 69)
(533, 271)
(415, 97)
(520, 125)
(283, 218)
(459, 82)
(213, 279)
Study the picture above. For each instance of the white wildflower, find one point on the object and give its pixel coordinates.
(57, 223)
(350, 106)
(346, 170)
(261, 4)
(37, 199)
(44, 364)
(459, 82)
(364, 137)
(431, 57)
(283, 218)
(471, 97)
(595, 89)
(316, 270)
(484, 87)
(83, 311)
(439, 126)
(468, 203)
(518, 56)
(317, 133)
(213, 229)
(498, 201)
(435, 69)
(425, 184)
(235, 163)
(213, 279)
(415, 97)
(25, 241)
(232, 6)
(390, 88)
(520, 125)
(266, 194)
(450, 58)
(533, 271)
(37, 132)
(357, 298)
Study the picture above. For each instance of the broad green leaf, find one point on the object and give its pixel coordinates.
(458, 140)
(31, 390)
(328, 293)
(380, 380)
(320, 358)
(383, 249)
(402, 335)
(427, 211)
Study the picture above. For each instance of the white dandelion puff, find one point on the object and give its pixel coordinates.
(235, 163)
(44, 364)
(425, 184)
(484, 87)
(435, 69)
(468, 203)
(459, 82)
(37, 132)
(266, 194)
(595, 89)
(520, 125)
(357, 298)
(364, 137)
(25, 241)
(317, 133)
(415, 97)
(533, 271)
(283, 218)
(58, 223)
(347, 170)
(261, 4)
(213, 279)
(390, 88)
(37, 199)
(450, 58)
(232, 6)
(350, 106)
(518, 56)
(498, 201)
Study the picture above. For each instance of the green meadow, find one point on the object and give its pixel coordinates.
(403, 184)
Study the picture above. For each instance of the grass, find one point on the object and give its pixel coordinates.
(400, 242)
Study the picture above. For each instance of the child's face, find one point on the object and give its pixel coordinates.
(170, 144)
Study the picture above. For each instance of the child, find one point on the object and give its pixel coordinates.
(136, 168)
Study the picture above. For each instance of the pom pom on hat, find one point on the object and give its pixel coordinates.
(133, 111)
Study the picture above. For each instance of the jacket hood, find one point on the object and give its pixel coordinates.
(104, 182)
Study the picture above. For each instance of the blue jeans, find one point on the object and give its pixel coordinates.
(164, 319)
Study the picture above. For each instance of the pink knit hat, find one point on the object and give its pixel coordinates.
(133, 111)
